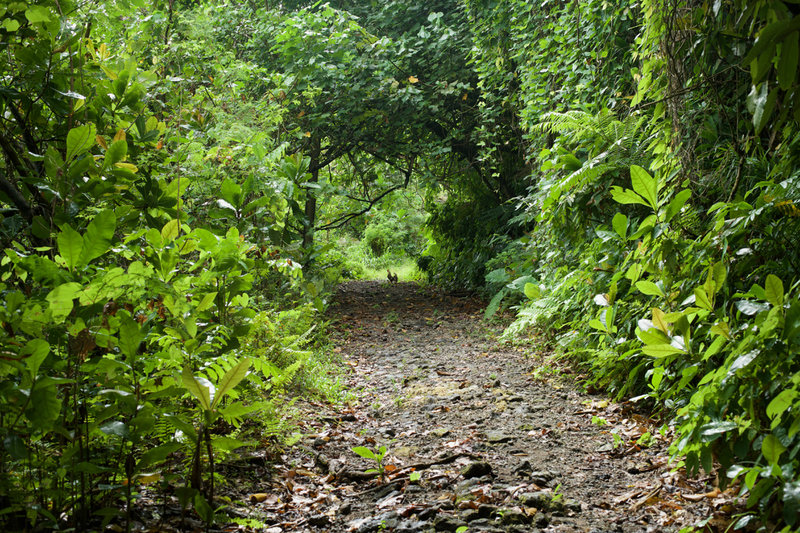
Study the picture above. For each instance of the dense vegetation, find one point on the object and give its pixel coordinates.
(181, 183)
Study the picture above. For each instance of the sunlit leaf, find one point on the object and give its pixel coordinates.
(364, 452)
(79, 140)
(231, 378)
(200, 388)
(772, 448)
(649, 288)
(645, 185)
(774, 290)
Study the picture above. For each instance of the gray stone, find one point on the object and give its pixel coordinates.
(541, 520)
(370, 524)
(497, 437)
(470, 515)
(427, 514)
(318, 520)
(446, 522)
(573, 506)
(542, 477)
(411, 526)
(512, 516)
(540, 500)
(477, 469)
(486, 510)
(465, 485)
(441, 432)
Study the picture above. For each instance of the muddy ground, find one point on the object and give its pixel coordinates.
(478, 435)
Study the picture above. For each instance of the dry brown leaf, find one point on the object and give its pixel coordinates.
(698, 497)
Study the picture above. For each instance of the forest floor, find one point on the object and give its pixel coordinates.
(499, 440)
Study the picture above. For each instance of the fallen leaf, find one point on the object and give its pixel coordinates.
(697, 497)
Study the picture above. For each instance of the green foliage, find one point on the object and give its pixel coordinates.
(375, 455)
(669, 223)
(143, 219)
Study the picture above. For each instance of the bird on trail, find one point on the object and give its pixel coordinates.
(391, 277)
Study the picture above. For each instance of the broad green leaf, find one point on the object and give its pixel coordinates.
(61, 300)
(183, 426)
(712, 429)
(10, 25)
(634, 272)
(115, 153)
(171, 230)
(130, 336)
(764, 104)
(787, 64)
(772, 449)
(79, 140)
(234, 412)
(781, 403)
(36, 351)
(791, 502)
(702, 300)
(44, 406)
(203, 508)
(15, 447)
(661, 350)
(127, 169)
(649, 288)
(761, 65)
(231, 378)
(157, 454)
(207, 301)
(750, 307)
(364, 452)
(656, 377)
(651, 335)
(596, 324)
(720, 274)
(626, 196)
(676, 204)
(70, 246)
(200, 388)
(36, 14)
(620, 225)
(791, 326)
(115, 428)
(722, 329)
(742, 361)
(532, 291)
(645, 185)
(232, 193)
(99, 235)
(774, 290)
(227, 444)
(659, 321)
(769, 35)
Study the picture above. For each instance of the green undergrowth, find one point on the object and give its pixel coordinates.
(405, 268)
(656, 244)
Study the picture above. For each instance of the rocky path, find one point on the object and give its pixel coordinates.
(476, 438)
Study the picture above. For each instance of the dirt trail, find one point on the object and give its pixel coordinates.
(498, 448)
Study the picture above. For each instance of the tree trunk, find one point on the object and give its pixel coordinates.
(311, 198)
